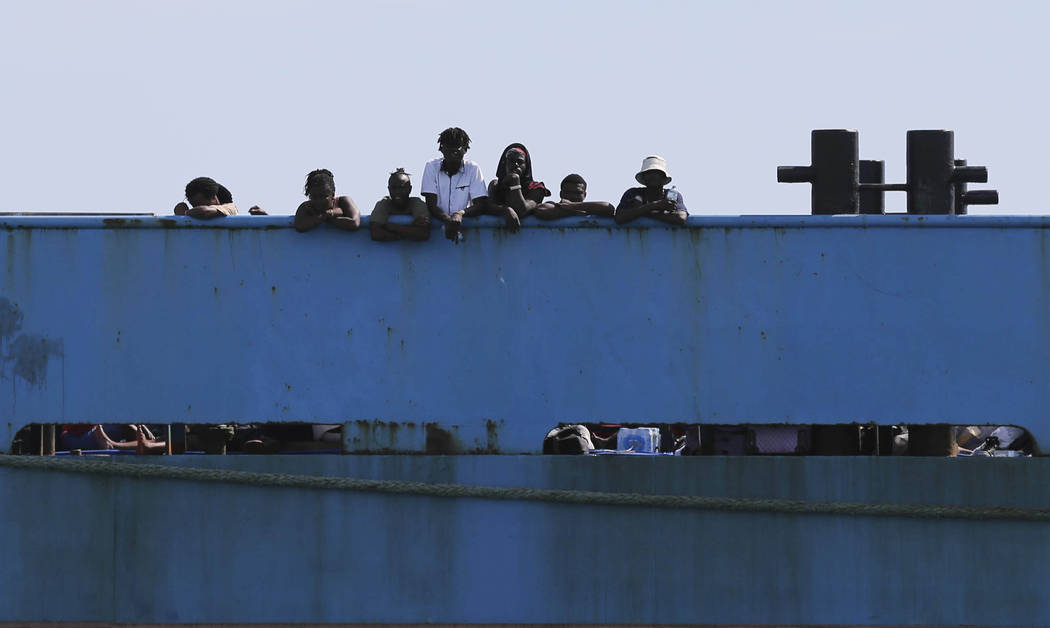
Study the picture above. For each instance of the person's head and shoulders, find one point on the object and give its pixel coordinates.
(652, 199)
(453, 144)
(399, 202)
(323, 205)
(573, 201)
(206, 198)
(653, 178)
(399, 199)
(573, 189)
(514, 172)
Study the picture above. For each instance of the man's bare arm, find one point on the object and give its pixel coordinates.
(478, 207)
(523, 203)
(205, 212)
(454, 223)
(348, 218)
(306, 219)
(475, 209)
(380, 234)
(547, 211)
(432, 207)
(565, 209)
(492, 208)
(598, 208)
(677, 217)
(418, 231)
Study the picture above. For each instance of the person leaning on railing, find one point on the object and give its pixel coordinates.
(652, 200)
(207, 199)
(513, 194)
(452, 183)
(400, 201)
(573, 202)
(324, 206)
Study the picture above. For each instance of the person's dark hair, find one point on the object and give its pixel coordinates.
(573, 179)
(202, 186)
(224, 195)
(454, 136)
(397, 173)
(321, 172)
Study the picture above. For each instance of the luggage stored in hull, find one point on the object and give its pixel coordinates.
(780, 439)
(568, 439)
(724, 440)
(639, 439)
(744, 440)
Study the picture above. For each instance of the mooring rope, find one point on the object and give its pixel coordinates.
(592, 498)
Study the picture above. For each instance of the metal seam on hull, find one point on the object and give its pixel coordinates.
(397, 487)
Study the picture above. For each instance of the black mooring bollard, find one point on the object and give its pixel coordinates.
(842, 184)
(872, 201)
(931, 164)
(834, 172)
(937, 181)
(964, 197)
(960, 191)
(981, 197)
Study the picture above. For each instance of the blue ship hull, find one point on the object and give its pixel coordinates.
(454, 361)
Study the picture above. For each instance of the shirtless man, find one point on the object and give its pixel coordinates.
(573, 202)
(206, 200)
(400, 202)
(324, 206)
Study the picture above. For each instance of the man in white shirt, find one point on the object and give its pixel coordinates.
(451, 183)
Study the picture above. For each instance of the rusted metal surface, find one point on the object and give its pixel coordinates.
(482, 347)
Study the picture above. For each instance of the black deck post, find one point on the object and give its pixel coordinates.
(872, 201)
(834, 172)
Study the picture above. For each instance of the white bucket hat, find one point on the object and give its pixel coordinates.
(653, 162)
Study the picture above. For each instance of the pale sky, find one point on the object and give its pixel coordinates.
(114, 106)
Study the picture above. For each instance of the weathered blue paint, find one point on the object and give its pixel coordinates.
(80, 548)
(493, 341)
(482, 347)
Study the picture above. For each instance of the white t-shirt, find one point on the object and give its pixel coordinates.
(453, 193)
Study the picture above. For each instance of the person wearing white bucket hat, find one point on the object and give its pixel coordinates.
(652, 200)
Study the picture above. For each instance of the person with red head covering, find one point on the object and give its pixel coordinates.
(514, 194)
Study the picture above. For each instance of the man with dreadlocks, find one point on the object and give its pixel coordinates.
(514, 194)
(401, 202)
(207, 199)
(324, 206)
(451, 183)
